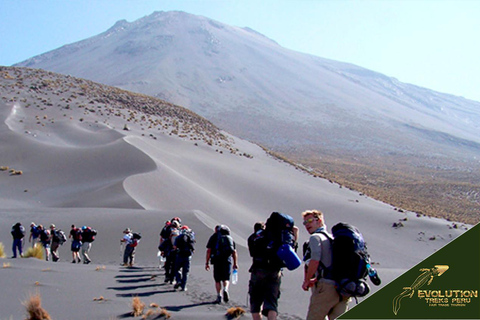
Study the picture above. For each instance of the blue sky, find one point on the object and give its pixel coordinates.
(430, 43)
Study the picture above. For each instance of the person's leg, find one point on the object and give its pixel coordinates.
(272, 315)
(324, 298)
(218, 288)
(185, 271)
(339, 309)
(20, 247)
(256, 316)
(176, 271)
(226, 295)
(14, 248)
(54, 248)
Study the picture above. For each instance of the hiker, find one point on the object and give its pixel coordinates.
(88, 236)
(266, 268)
(130, 240)
(34, 234)
(256, 227)
(167, 249)
(184, 246)
(76, 236)
(325, 300)
(18, 233)
(45, 239)
(164, 234)
(57, 238)
(220, 253)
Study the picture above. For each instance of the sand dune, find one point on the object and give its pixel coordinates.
(83, 168)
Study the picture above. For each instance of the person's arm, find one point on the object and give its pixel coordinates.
(207, 262)
(235, 259)
(310, 279)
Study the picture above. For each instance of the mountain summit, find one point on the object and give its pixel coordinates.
(298, 104)
(251, 86)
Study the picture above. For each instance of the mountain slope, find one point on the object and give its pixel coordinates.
(308, 108)
(242, 80)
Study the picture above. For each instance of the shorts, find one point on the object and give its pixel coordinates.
(76, 245)
(264, 289)
(222, 270)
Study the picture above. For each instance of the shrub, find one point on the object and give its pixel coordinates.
(2, 251)
(235, 312)
(138, 307)
(35, 252)
(34, 308)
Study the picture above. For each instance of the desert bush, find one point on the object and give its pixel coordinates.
(35, 252)
(235, 313)
(138, 306)
(2, 251)
(156, 314)
(34, 308)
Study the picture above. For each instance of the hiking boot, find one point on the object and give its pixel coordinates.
(226, 296)
(219, 299)
(176, 286)
(183, 289)
(79, 260)
(74, 261)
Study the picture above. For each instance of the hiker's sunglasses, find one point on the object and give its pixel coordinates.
(309, 220)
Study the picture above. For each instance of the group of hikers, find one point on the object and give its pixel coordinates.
(52, 238)
(336, 264)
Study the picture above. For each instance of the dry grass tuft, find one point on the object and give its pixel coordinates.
(138, 307)
(35, 252)
(34, 308)
(101, 298)
(157, 314)
(100, 268)
(154, 305)
(235, 312)
(14, 172)
(2, 251)
(6, 265)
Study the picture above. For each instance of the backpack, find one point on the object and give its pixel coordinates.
(18, 231)
(350, 261)
(185, 243)
(77, 234)
(44, 235)
(224, 246)
(59, 236)
(136, 236)
(166, 231)
(273, 246)
(35, 231)
(88, 235)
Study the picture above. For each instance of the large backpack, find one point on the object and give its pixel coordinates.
(185, 243)
(273, 247)
(350, 261)
(18, 231)
(88, 235)
(224, 246)
(59, 236)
